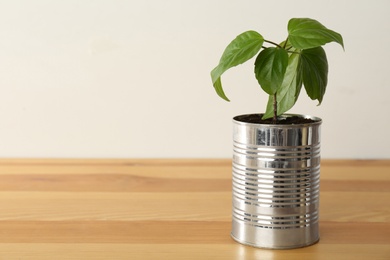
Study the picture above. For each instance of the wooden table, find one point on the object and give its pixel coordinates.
(173, 209)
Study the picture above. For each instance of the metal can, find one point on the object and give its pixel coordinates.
(276, 183)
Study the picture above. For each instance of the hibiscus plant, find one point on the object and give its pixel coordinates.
(282, 68)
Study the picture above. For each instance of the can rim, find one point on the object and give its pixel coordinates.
(317, 120)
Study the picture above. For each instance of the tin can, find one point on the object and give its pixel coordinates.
(276, 183)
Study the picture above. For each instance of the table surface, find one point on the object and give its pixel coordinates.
(173, 209)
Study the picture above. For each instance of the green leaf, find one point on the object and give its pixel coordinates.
(305, 33)
(290, 89)
(218, 88)
(314, 72)
(270, 66)
(242, 48)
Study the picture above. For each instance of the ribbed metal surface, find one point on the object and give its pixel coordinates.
(276, 178)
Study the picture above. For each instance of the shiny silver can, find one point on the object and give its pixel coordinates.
(276, 181)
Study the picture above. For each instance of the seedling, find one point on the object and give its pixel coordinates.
(282, 68)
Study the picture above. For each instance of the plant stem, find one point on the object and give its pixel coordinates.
(285, 43)
(273, 43)
(293, 52)
(275, 118)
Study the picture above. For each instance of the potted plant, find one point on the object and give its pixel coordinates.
(276, 156)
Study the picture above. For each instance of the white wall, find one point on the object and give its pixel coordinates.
(131, 78)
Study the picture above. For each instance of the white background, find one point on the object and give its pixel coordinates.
(131, 78)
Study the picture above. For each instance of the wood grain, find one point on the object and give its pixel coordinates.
(173, 209)
(170, 232)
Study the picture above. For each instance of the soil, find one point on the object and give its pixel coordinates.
(290, 120)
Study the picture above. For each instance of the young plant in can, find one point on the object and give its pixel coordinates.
(281, 69)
